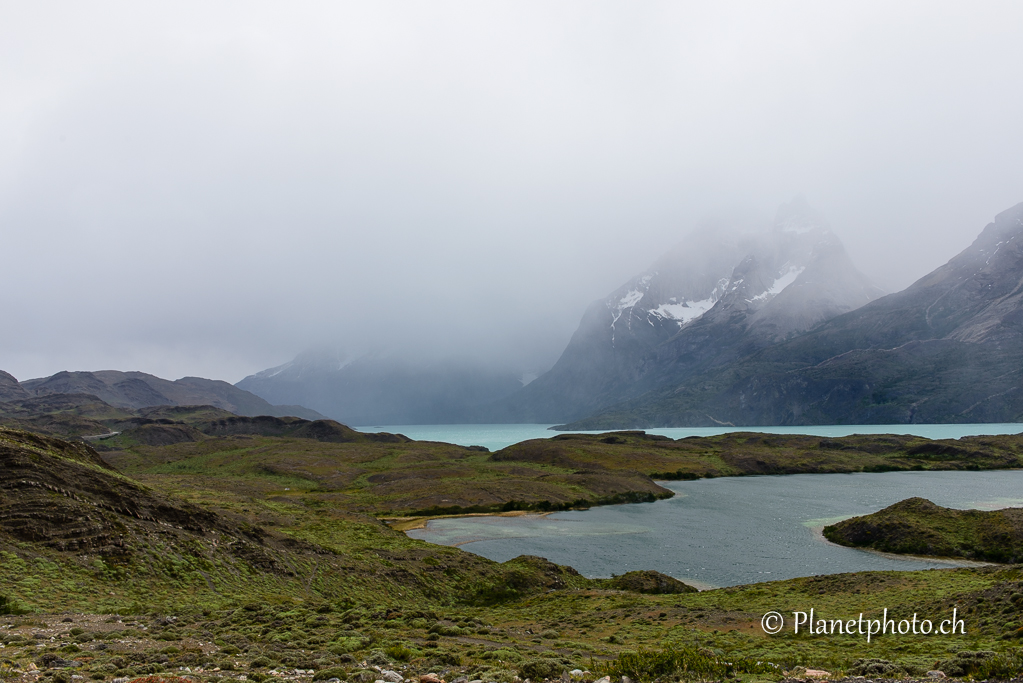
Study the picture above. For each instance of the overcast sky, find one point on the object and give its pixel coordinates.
(208, 188)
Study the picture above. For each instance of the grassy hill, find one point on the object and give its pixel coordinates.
(919, 527)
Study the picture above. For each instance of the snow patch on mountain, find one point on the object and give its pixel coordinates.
(686, 311)
(273, 372)
(780, 284)
(629, 300)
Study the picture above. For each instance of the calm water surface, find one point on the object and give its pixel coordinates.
(732, 530)
(497, 436)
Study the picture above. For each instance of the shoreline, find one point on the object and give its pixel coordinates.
(404, 524)
(954, 562)
(409, 523)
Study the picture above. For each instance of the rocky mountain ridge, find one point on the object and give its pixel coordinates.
(949, 348)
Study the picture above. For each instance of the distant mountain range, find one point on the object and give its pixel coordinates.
(772, 328)
(949, 348)
(138, 390)
(380, 389)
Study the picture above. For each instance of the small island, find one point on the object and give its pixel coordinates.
(917, 526)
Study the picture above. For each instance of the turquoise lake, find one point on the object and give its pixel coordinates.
(726, 531)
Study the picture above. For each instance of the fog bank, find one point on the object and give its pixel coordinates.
(209, 189)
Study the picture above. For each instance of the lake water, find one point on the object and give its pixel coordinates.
(731, 530)
(498, 436)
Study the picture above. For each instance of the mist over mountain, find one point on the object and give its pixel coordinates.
(191, 190)
(384, 389)
(711, 299)
(949, 348)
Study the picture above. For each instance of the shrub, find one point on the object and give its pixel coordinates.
(8, 606)
(967, 662)
(1002, 666)
(876, 668)
(540, 668)
(399, 652)
(680, 662)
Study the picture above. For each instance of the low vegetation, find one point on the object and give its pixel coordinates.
(917, 526)
(265, 556)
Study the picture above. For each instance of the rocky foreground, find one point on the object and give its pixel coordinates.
(75, 648)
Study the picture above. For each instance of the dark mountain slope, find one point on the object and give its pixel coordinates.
(602, 363)
(748, 319)
(10, 389)
(62, 414)
(63, 496)
(947, 349)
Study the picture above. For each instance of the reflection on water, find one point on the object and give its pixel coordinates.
(728, 531)
(462, 530)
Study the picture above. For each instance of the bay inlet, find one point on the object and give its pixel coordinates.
(724, 531)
